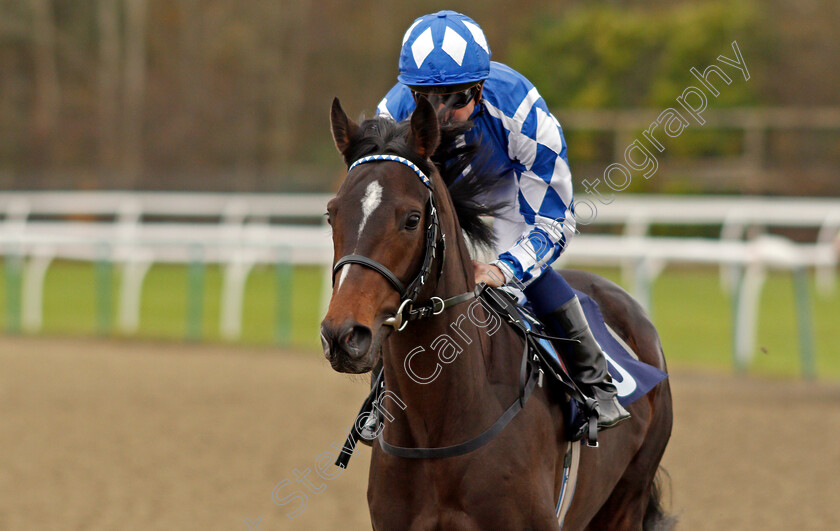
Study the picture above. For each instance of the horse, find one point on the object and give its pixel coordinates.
(438, 401)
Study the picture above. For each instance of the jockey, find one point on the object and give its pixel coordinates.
(445, 58)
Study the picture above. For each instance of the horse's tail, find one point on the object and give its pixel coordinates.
(656, 519)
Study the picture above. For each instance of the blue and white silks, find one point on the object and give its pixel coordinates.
(521, 138)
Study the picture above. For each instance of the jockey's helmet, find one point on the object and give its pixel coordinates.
(444, 48)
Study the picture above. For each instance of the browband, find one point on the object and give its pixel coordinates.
(395, 158)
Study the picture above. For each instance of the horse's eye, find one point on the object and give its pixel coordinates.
(327, 215)
(413, 221)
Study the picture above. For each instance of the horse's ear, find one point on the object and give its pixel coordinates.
(425, 130)
(343, 128)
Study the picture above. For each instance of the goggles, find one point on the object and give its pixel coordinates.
(451, 100)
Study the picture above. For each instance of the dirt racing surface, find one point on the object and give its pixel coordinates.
(120, 435)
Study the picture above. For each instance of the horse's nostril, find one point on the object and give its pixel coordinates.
(350, 341)
(356, 341)
(325, 344)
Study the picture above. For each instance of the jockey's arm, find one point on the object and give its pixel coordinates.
(545, 199)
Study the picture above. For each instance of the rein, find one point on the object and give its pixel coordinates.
(529, 374)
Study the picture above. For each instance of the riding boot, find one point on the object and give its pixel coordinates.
(588, 366)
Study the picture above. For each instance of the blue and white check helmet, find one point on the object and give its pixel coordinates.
(444, 48)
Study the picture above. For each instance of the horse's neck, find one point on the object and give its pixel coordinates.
(444, 397)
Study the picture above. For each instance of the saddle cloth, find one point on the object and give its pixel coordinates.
(632, 378)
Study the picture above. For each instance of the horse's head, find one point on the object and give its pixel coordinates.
(380, 219)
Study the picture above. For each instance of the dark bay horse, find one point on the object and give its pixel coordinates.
(452, 375)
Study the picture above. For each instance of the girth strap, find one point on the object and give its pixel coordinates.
(372, 264)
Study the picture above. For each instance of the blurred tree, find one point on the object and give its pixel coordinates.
(618, 56)
(135, 89)
(232, 95)
(604, 55)
(47, 89)
(108, 15)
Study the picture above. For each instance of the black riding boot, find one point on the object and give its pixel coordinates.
(588, 365)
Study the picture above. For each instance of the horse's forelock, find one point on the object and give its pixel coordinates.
(462, 172)
(384, 136)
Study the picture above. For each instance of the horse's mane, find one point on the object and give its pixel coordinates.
(465, 174)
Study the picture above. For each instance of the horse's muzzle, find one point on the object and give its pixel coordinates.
(346, 346)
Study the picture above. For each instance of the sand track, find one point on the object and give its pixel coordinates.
(122, 435)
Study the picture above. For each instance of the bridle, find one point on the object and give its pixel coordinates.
(435, 243)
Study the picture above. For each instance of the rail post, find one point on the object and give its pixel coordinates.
(104, 290)
(803, 317)
(746, 298)
(283, 283)
(14, 267)
(195, 293)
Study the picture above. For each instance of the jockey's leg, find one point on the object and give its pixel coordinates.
(557, 306)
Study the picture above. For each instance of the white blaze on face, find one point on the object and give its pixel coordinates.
(344, 269)
(370, 201)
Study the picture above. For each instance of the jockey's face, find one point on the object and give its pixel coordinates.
(457, 115)
(453, 104)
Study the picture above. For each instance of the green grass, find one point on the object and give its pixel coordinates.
(690, 310)
(693, 315)
(70, 303)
